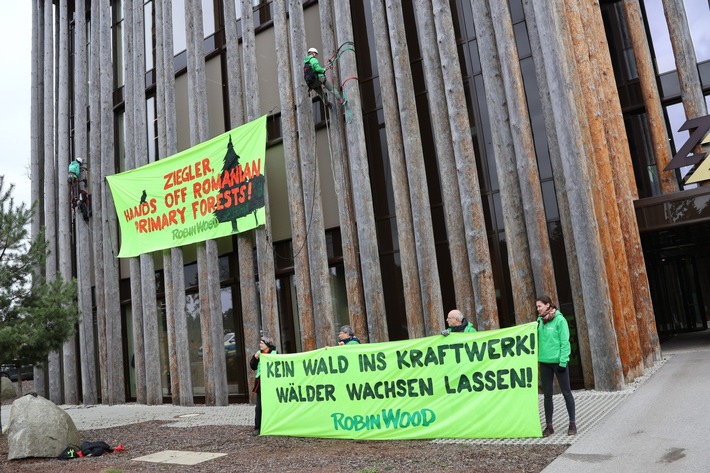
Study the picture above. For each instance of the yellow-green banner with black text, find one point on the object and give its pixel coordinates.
(210, 190)
(466, 385)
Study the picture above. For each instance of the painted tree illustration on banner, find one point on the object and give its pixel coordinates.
(254, 191)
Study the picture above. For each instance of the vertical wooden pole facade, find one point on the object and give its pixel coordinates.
(211, 324)
(451, 196)
(605, 355)
(525, 158)
(323, 317)
(691, 90)
(651, 96)
(50, 187)
(153, 380)
(247, 277)
(82, 244)
(114, 335)
(605, 200)
(625, 186)
(264, 246)
(416, 173)
(36, 151)
(562, 201)
(486, 311)
(69, 374)
(413, 296)
(129, 87)
(362, 190)
(180, 374)
(516, 238)
(296, 145)
(343, 188)
(95, 186)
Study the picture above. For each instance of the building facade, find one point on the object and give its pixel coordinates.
(488, 152)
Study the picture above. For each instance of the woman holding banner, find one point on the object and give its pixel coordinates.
(553, 354)
(266, 345)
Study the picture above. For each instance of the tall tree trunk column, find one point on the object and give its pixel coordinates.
(362, 191)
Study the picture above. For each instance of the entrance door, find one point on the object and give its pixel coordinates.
(680, 304)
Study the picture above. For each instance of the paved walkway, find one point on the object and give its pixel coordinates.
(663, 427)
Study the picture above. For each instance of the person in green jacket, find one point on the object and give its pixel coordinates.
(457, 323)
(346, 336)
(318, 80)
(553, 354)
(266, 345)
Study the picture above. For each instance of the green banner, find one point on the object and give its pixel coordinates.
(466, 385)
(211, 190)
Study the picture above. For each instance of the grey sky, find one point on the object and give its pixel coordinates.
(15, 50)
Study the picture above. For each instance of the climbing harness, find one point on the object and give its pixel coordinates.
(79, 198)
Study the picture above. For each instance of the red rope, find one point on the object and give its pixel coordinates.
(346, 80)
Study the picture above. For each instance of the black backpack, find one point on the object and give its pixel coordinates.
(310, 76)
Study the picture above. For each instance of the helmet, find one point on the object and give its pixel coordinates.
(312, 50)
(79, 160)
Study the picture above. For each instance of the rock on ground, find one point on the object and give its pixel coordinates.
(38, 428)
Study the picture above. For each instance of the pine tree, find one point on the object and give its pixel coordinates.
(255, 184)
(36, 316)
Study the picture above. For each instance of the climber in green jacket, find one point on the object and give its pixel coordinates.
(314, 75)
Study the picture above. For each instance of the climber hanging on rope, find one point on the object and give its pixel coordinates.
(314, 75)
(78, 196)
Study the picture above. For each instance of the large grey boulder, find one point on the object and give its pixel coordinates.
(7, 388)
(38, 428)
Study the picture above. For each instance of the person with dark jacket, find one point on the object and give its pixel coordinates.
(346, 336)
(457, 323)
(266, 345)
(553, 354)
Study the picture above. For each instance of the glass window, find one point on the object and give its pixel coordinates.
(179, 42)
(151, 125)
(516, 10)
(208, 25)
(148, 35)
(659, 36)
(121, 143)
(698, 13)
(521, 40)
(627, 50)
(340, 298)
(233, 349)
(191, 275)
(550, 200)
(238, 8)
(119, 47)
(194, 343)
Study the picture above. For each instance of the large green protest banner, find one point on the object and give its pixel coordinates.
(213, 189)
(466, 385)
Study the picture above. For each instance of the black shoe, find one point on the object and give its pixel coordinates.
(572, 429)
(548, 431)
(256, 432)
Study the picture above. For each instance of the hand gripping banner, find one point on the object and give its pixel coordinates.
(211, 190)
(466, 385)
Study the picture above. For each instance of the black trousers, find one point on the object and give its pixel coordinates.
(257, 412)
(547, 372)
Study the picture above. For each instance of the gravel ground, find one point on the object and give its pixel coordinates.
(248, 453)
